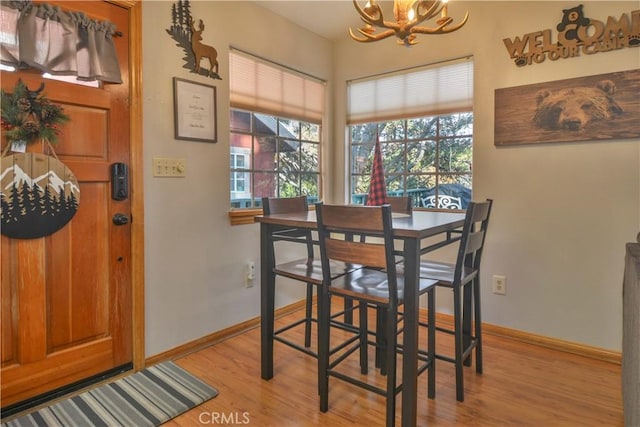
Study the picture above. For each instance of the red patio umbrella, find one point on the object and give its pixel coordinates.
(377, 188)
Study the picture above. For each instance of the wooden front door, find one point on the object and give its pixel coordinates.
(67, 298)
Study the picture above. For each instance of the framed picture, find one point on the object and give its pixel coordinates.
(194, 111)
(598, 107)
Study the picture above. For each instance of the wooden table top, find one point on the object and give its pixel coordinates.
(419, 224)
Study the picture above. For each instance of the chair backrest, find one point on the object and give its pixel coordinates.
(473, 237)
(275, 205)
(337, 222)
(400, 204)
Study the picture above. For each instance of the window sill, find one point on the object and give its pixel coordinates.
(243, 216)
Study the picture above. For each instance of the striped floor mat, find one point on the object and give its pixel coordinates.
(147, 398)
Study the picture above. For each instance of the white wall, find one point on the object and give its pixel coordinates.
(196, 261)
(562, 211)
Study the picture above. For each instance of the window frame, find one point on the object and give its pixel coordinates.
(261, 86)
(253, 168)
(404, 175)
(245, 153)
(432, 91)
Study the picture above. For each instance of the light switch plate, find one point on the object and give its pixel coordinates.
(169, 167)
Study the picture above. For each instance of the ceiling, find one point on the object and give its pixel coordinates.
(330, 19)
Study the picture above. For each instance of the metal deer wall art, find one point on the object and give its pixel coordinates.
(201, 50)
(188, 36)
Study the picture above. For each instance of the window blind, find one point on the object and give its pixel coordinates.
(260, 86)
(435, 89)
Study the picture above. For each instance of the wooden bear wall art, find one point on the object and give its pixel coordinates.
(187, 32)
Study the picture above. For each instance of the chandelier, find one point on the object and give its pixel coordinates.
(408, 14)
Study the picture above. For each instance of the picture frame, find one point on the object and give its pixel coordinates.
(591, 108)
(194, 111)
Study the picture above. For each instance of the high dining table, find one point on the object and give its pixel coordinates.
(411, 230)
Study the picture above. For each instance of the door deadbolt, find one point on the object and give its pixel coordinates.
(120, 219)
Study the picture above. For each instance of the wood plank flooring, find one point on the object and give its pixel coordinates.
(522, 385)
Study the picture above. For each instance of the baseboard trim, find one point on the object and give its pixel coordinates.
(543, 341)
(217, 337)
(441, 318)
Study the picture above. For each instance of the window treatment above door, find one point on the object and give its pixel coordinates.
(58, 42)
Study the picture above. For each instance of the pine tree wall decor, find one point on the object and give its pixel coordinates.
(188, 34)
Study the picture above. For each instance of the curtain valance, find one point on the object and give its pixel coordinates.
(58, 42)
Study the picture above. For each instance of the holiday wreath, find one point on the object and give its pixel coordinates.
(29, 116)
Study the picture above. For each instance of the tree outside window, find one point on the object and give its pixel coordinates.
(427, 158)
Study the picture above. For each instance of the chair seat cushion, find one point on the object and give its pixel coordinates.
(310, 271)
(372, 285)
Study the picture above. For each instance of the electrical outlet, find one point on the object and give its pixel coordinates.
(499, 285)
(251, 274)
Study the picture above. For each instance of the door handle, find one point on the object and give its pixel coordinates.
(120, 219)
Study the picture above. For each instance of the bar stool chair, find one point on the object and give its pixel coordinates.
(298, 267)
(377, 284)
(400, 204)
(463, 278)
(307, 270)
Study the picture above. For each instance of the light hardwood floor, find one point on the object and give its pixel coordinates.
(522, 385)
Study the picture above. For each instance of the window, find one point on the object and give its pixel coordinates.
(424, 121)
(276, 128)
(285, 155)
(240, 179)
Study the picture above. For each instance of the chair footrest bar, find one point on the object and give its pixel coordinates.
(361, 384)
(438, 245)
(296, 346)
(292, 325)
(346, 354)
(446, 358)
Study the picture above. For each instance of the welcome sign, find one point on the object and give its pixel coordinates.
(576, 35)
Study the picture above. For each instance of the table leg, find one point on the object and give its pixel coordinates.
(410, 334)
(267, 301)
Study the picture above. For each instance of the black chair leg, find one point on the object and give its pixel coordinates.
(308, 315)
(379, 324)
(381, 321)
(391, 339)
(324, 319)
(466, 320)
(431, 342)
(364, 338)
(458, 346)
(478, 324)
(348, 311)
